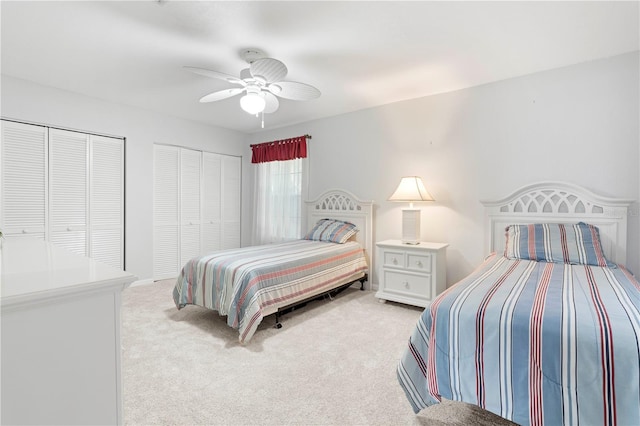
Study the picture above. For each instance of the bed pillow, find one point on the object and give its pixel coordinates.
(577, 244)
(332, 230)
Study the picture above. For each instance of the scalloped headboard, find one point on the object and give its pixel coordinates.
(559, 202)
(343, 205)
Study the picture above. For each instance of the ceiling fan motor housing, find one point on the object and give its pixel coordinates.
(251, 55)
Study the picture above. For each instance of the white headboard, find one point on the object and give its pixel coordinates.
(559, 202)
(343, 205)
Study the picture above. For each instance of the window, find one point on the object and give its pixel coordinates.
(279, 189)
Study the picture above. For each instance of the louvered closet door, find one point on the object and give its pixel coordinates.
(190, 194)
(231, 172)
(107, 200)
(211, 202)
(166, 167)
(24, 180)
(68, 189)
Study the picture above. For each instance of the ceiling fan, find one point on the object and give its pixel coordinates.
(262, 83)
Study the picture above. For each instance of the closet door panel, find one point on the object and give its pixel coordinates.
(107, 247)
(190, 163)
(190, 195)
(166, 167)
(107, 200)
(74, 241)
(211, 202)
(231, 190)
(189, 243)
(165, 253)
(23, 206)
(68, 189)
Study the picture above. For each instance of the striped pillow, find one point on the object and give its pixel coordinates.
(331, 230)
(577, 244)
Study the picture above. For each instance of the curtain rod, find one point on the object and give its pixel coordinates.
(306, 136)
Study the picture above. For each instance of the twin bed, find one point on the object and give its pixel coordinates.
(546, 330)
(250, 283)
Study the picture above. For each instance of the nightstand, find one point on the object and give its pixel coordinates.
(412, 274)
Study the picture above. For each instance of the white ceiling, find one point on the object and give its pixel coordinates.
(359, 54)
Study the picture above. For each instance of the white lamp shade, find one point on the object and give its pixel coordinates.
(411, 189)
(252, 103)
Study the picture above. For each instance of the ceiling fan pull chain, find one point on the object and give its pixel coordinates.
(263, 119)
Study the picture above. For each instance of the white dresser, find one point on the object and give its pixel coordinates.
(412, 274)
(60, 336)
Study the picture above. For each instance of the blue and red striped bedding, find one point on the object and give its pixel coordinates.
(534, 342)
(249, 283)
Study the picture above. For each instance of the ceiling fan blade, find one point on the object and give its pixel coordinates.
(294, 90)
(272, 103)
(216, 74)
(269, 69)
(222, 94)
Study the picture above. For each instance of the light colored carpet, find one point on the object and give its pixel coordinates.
(332, 363)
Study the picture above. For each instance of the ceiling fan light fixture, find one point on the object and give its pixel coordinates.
(252, 103)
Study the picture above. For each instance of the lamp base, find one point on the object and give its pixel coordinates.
(411, 226)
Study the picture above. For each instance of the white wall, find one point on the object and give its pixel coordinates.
(23, 100)
(577, 124)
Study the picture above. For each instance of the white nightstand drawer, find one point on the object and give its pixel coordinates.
(419, 262)
(394, 258)
(408, 284)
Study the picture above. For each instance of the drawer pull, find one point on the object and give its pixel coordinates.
(394, 261)
(406, 284)
(69, 229)
(24, 231)
(419, 263)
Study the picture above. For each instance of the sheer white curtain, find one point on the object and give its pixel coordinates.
(279, 190)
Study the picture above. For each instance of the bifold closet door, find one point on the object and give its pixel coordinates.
(68, 189)
(23, 204)
(166, 168)
(196, 206)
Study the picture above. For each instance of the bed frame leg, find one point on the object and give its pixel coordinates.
(362, 283)
(277, 325)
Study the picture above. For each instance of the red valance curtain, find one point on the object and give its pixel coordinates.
(283, 150)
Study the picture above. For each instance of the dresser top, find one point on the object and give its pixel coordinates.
(421, 245)
(35, 270)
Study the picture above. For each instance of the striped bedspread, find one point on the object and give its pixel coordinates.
(249, 283)
(535, 342)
